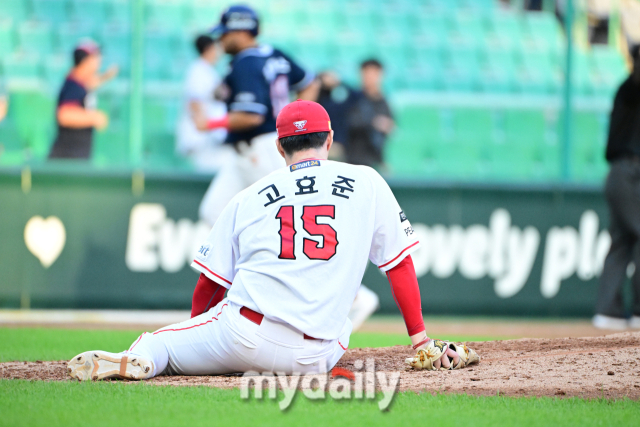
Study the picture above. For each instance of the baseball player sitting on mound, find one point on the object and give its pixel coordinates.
(291, 249)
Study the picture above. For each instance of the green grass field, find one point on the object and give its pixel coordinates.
(34, 403)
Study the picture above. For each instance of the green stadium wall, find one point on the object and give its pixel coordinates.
(487, 250)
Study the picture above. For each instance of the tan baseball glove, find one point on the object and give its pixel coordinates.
(442, 355)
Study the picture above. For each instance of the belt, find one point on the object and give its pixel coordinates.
(256, 318)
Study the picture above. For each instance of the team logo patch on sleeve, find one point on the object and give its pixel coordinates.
(403, 217)
(305, 164)
(203, 252)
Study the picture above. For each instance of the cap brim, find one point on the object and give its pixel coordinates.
(218, 31)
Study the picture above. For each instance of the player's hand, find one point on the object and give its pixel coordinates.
(100, 120)
(383, 124)
(111, 73)
(200, 121)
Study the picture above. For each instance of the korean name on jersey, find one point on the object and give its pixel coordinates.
(295, 244)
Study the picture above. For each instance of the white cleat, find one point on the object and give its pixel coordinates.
(99, 365)
(365, 304)
(634, 322)
(601, 321)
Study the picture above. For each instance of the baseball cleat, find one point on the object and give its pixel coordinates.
(100, 365)
(634, 322)
(601, 321)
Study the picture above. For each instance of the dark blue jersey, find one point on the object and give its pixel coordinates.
(259, 81)
(72, 142)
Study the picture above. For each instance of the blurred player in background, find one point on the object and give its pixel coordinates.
(370, 119)
(76, 114)
(622, 191)
(257, 88)
(204, 149)
(4, 102)
(4, 106)
(337, 98)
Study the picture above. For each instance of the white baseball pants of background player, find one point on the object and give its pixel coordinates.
(222, 341)
(253, 162)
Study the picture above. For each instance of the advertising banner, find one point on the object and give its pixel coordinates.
(70, 241)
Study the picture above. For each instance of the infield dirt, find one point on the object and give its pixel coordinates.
(590, 367)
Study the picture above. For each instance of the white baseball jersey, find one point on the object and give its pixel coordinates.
(294, 245)
(200, 84)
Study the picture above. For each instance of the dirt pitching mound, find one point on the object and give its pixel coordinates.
(589, 367)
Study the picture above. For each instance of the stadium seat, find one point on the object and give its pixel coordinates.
(160, 45)
(427, 120)
(500, 72)
(70, 34)
(581, 73)
(10, 140)
(541, 74)
(610, 69)
(514, 154)
(34, 118)
(527, 127)
(51, 11)
(506, 31)
(119, 12)
(473, 125)
(20, 68)
(545, 31)
(165, 15)
(111, 147)
(15, 10)
(548, 164)
(462, 71)
(202, 16)
(116, 47)
(588, 142)
(7, 38)
(315, 54)
(56, 68)
(457, 159)
(35, 38)
(93, 13)
(117, 107)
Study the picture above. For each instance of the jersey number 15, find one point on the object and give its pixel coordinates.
(311, 248)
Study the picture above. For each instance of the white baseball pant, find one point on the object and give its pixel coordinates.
(222, 341)
(253, 162)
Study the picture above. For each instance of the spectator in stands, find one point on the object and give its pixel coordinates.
(337, 98)
(370, 119)
(622, 191)
(204, 149)
(4, 106)
(76, 115)
(4, 102)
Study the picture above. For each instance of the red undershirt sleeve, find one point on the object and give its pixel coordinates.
(206, 295)
(406, 293)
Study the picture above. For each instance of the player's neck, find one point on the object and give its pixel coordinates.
(299, 156)
(79, 75)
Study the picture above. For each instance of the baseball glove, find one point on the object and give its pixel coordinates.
(430, 357)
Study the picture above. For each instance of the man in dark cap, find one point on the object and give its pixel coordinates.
(622, 191)
(76, 113)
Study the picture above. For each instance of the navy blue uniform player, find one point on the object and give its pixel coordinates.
(257, 87)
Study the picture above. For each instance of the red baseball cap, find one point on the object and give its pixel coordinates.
(300, 117)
